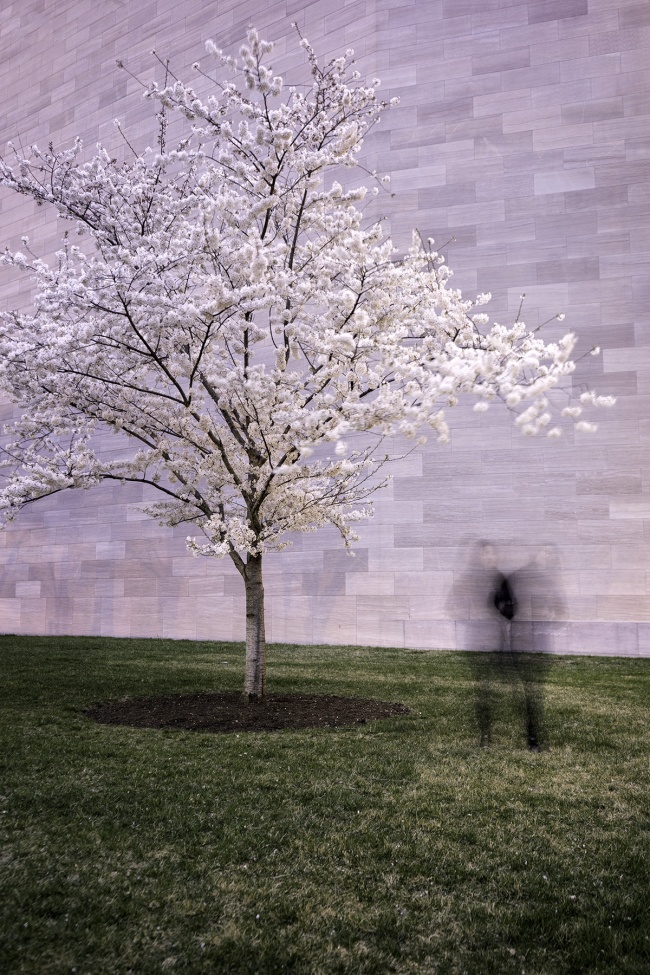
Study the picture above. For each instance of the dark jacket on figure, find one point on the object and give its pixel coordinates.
(503, 598)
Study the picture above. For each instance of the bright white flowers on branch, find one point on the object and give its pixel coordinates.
(230, 312)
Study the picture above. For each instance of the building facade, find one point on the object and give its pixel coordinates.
(521, 144)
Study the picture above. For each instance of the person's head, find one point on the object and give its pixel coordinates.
(488, 555)
(547, 557)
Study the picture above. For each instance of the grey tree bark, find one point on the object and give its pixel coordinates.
(255, 681)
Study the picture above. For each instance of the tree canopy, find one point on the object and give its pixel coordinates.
(224, 305)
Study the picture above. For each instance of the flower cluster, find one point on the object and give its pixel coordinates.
(227, 310)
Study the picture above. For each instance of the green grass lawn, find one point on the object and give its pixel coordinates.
(398, 846)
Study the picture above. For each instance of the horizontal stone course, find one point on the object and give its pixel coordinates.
(523, 132)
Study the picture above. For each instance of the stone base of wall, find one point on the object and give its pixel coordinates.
(614, 639)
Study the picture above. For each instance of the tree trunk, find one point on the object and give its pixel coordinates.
(255, 682)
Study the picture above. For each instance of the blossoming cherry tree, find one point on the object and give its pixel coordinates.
(229, 312)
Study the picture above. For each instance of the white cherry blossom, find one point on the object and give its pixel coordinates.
(223, 305)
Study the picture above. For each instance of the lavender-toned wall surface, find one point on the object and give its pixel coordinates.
(521, 145)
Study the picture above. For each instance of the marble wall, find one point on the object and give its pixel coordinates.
(521, 145)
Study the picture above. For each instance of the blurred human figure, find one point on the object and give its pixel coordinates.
(540, 605)
(482, 597)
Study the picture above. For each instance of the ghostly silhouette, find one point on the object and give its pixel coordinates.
(510, 619)
(483, 595)
(541, 606)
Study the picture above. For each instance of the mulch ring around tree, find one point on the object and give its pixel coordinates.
(227, 712)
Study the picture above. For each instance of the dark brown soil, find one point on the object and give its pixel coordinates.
(228, 711)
